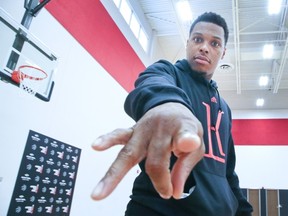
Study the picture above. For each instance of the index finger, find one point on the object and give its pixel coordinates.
(127, 158)
(157, 165)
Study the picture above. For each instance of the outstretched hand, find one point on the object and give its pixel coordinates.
(167, 128)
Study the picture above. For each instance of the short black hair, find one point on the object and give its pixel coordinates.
(212, 17)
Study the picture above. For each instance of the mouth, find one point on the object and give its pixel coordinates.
(201, 59)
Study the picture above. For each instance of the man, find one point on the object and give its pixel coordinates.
(182, 139)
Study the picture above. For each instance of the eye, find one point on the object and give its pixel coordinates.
(216, 44)
(197, 39)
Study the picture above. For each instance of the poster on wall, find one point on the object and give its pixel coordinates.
(46, 177)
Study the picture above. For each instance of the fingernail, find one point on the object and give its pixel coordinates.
(165, 196)
(97, 142)
(97, 190)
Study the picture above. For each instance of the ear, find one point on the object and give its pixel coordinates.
(223, 53)
(187, 42)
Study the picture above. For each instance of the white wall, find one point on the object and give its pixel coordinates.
(86, 102)
(262, 166)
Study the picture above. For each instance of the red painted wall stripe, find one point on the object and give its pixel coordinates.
(260, 131)
(92, 26)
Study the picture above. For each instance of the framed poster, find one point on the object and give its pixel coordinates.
(46, 177)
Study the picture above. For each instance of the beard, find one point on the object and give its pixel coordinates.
(202, 73)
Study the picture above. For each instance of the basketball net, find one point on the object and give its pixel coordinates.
(29, 78)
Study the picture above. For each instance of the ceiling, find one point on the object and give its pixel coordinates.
(250, 28)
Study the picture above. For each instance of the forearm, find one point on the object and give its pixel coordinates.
(157, 85)
(141, 100)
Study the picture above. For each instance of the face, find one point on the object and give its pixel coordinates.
(205, 48)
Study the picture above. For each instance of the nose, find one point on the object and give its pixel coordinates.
(204, 48)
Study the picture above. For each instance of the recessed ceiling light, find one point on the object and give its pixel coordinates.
(225, 67)
(184, 11)
(263, 80)
(268, 50)
(260, 102)
(274, 6)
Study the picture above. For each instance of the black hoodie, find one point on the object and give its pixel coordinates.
(212, 189)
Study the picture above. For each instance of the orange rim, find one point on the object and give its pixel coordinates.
(23, 75)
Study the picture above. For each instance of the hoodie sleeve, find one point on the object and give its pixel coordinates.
(244, 207)
(155, 86)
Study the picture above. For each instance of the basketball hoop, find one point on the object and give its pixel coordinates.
(28, 78)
